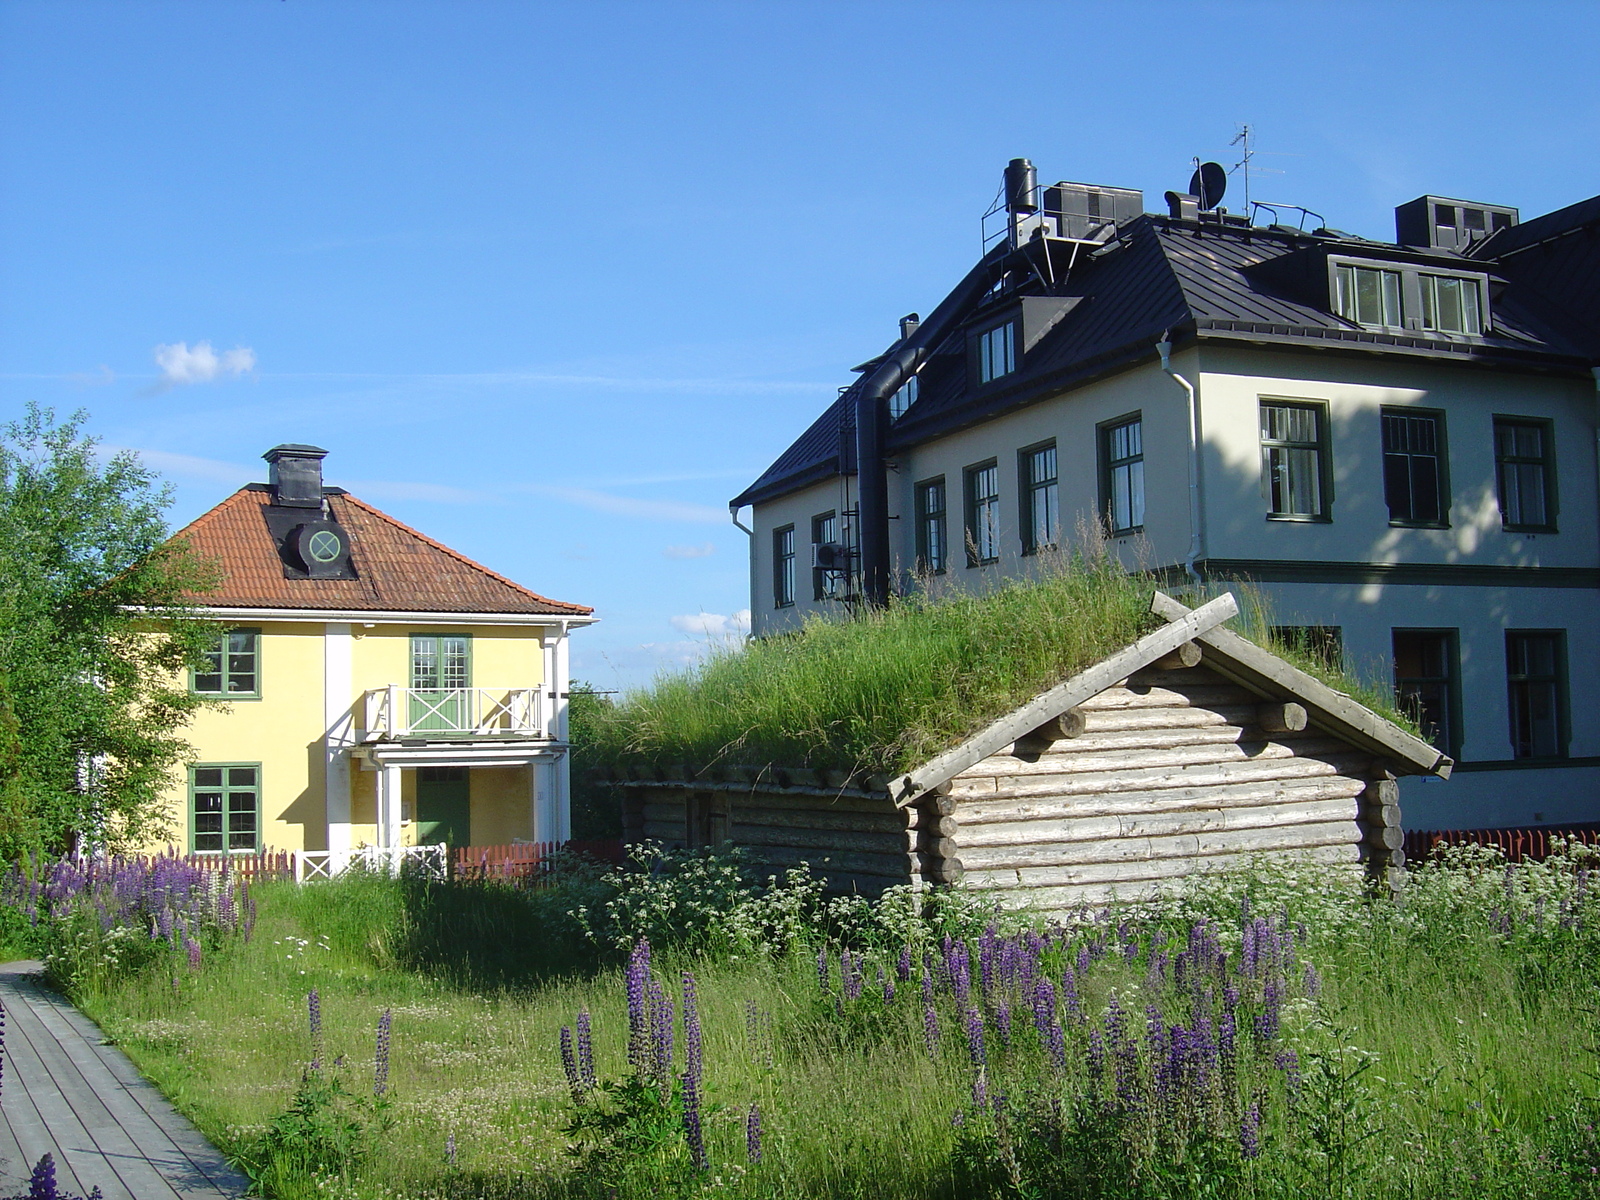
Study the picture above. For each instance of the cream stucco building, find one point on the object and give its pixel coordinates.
(1395, 441)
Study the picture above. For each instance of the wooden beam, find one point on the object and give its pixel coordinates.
(1058, 699)
(1184, 658)
(1236, 655)
(1281, 718)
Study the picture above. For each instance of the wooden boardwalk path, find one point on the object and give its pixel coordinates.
(66, 1093)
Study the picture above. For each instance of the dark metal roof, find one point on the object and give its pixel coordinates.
(1216, 281)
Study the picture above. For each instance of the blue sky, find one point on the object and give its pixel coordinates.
(552, 282)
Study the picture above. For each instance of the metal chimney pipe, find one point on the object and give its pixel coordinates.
(1021, 182)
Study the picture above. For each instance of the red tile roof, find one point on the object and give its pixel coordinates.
(400, 569)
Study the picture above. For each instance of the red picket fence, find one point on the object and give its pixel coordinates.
(1530, 844)
(265, 864)
(523, 861)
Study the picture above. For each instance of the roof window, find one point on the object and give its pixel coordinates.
(904, 397)
(1399, 296)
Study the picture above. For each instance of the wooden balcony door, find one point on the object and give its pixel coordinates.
(441, 673)
(444, 806)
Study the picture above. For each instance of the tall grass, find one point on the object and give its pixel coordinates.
(886, 689)
(1457, 1029)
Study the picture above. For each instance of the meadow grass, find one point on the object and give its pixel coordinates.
(886, 689)
(1456, 1032)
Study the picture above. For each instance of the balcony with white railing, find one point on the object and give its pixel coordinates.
(452, 713)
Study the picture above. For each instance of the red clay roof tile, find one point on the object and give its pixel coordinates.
(400, 569)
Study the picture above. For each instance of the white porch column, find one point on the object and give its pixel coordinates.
(337, 677)
(389, 806)
(561, 781)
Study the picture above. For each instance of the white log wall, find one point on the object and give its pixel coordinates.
(1170, 777)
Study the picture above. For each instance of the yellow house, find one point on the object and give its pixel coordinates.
(382, 690)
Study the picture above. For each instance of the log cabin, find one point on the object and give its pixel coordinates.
(1191, 750)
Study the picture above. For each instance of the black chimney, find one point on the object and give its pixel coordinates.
(1021, 180)
(296, 477)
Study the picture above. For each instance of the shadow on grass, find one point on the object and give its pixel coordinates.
(492, 936)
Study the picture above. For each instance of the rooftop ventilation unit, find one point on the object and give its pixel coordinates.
(1085, 212)
(1444, 224)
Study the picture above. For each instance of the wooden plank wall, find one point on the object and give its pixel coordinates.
(1171, 774)
(858, 840)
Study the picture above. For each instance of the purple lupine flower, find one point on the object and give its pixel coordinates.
(977, 1054)
(902, 966)
(1227, 1051)
(314, 1017)
(1084, 961)
(1097, 1058)
(42, 1183)
(850, 976)
(1267, 1021)
(586, 1075)
(822, 970)
(193, 948)
(637, 979)
(1313, 981)
(1055, 1040)
(1002, 1021)
(752, 1135)
(988, 946)
(1288, 1062)
(380, 1061)
(694, 1066)
(1044, 1005)
(960, 973)
(693, 1133)
(886, 985)
(1250, 1131)
(661, 1035)
(450, 1149)
(569, 1066)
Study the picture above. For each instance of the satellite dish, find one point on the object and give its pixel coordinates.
(1209, 182)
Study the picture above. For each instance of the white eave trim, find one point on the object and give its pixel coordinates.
(360, 617)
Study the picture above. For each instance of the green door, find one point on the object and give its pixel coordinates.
(441, 672)
(444, 806)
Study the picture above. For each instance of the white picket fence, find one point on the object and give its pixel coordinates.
(384, 860)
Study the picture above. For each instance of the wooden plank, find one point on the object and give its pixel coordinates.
(1122, 740)
(1120, 720)
(1207, 694)
(1237, 656)
(1140, 870)
(146, 1135)
(757, 836)
(1070, 899)
(1181, 754)
(1157, 777)
(1171, 845)
(1060, 698)
(977, 814)
(1099, 829)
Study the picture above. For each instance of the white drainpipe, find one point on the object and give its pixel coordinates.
(1164, 348)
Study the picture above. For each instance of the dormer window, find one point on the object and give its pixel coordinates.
(903, 399)
(997, 352)
(1381, 296)
(1451, 304)
(1367, 295)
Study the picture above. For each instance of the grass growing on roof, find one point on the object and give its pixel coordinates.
(887, 689)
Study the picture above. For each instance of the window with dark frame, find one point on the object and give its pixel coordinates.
(1367, 295)
(231, 666)
(931, 526)
(1041, 500)
(1122, 475)
(1536, 689)
(783, 567)
(225, 808)
(904, 397)
(1524, 472)
(826, 584)
(1426, 670)
(1415, 478)
(983, 514)
(1294, 459)
(997, 352)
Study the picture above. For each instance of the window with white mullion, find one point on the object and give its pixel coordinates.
(1367, 295)
(1450, 304)
(1293, 459)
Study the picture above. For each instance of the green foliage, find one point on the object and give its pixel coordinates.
(96, 688)
(327, 1130)
(887, 689)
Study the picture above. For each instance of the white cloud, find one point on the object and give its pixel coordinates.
(704, 550)
(714, 626)
(436, 493)
(181, 364)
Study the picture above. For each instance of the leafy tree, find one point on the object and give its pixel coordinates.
(95, 636)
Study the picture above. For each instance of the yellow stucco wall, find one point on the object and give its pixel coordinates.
(283, 731)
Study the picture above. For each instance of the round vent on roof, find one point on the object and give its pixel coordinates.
(323, 549)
